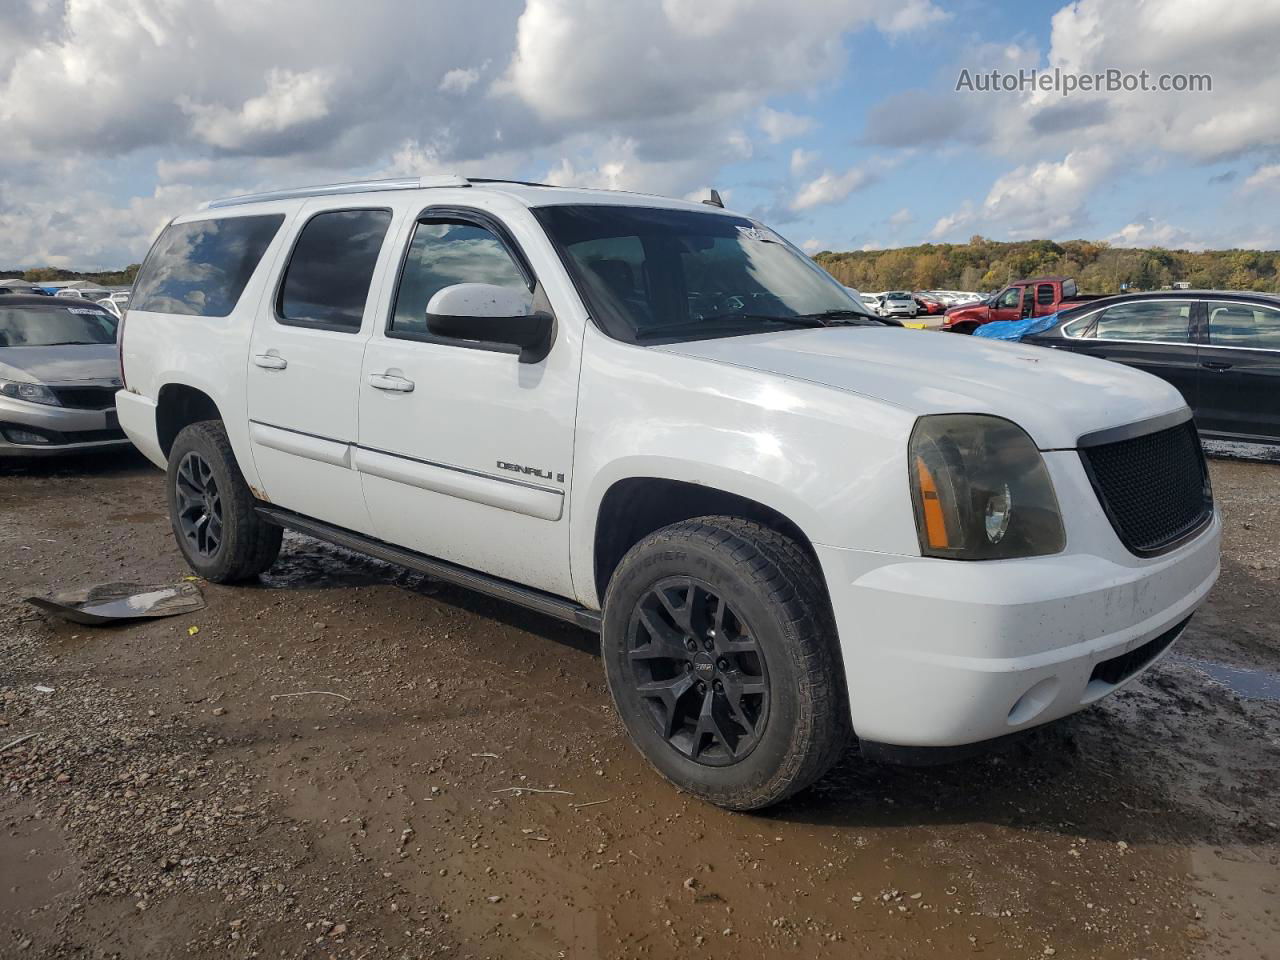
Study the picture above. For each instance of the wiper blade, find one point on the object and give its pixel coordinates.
(835, 316)
(749, 318)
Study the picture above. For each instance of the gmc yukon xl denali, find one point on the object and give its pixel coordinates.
(791, 523)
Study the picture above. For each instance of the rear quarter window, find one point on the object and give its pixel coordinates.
(201, 268)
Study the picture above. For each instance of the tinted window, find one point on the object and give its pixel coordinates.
(1044, 294)
(1167, 320)
(57, 324)
(442, 254)
(650, 273)
(201, 268)
(1244, 325)
(327, 281)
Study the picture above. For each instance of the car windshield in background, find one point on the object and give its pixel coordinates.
(651, 274)
(55, 325)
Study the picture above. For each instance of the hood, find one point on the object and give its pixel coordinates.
(57, 365)
(1054, 395)
(966, 311)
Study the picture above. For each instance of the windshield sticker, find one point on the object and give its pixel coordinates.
(757, 233)
(86, 313)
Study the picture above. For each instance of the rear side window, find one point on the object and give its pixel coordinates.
(1044, 294)
(327, 281)
(1168, 321)
(200, 268)
(1244, 325)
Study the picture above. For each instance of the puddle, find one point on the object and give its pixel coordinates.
(1249, 684)
(308, 564)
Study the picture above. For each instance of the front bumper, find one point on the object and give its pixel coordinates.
(942, 653)
(65, 429)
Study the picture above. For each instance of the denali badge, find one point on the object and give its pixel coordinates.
(534, 471)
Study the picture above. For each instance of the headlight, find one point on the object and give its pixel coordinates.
(31, 392)
(981, 490)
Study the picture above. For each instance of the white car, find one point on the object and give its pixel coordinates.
(871, 301)
(898, 303)
(789, 521)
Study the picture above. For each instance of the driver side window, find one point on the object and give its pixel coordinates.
(1009, 298)
(442, 253)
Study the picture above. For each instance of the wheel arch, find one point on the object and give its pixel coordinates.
(179, 405)
(635, 506)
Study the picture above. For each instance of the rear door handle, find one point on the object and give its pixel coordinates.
(1215, 365)
(382, 381)
(270, 361)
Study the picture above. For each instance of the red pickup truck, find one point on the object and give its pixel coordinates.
(1026, 298)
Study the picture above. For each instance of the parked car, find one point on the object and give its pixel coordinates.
(661, 421)
(1037, 297)
(1220, 348)
(927, 303)
(59, 373)
(898, 303)
(111, 306)
(872, 301)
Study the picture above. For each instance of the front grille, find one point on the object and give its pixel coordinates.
(1154, 488)
(1121, 668)
(86, 398)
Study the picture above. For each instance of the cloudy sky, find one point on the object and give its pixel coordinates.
(837, 121)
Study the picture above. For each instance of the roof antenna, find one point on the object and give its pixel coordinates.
(714, 199)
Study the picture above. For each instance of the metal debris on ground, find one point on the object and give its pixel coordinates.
(116, 602)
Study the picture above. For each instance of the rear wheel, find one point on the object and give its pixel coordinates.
(212, 510)
(719, 648)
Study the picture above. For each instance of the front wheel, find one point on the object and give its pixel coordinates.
(211, 508)
(719, 649)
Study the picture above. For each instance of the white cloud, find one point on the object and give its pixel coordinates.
(459, 80)
(802, 160)
(192, 94)
(912, 15)
(779, 125)
(289, 101)
(829, 188)
(1264, 178)
(900, 218)
(812, 246)
(1155, 233)
(1036, 200)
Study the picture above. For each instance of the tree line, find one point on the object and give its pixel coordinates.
(985, 265)
(108, 278)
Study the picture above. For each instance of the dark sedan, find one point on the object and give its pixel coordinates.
(1220, 348)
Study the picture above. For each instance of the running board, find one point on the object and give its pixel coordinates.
(496, 587)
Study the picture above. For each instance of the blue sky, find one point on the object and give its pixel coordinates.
(837, 121)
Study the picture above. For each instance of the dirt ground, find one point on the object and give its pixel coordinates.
(349, 760)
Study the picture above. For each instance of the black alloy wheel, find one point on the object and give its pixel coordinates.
(199, 505)
(698, 668)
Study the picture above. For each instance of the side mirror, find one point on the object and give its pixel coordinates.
(491, 317)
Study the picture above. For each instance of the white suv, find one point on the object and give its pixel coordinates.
(790, 521)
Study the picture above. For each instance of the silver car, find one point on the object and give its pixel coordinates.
(59, 373)
(898, 304)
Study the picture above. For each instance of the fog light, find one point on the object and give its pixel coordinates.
(24, 436)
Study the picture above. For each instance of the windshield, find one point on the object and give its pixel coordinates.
(55, 324)
(897, 296)
(650, 274)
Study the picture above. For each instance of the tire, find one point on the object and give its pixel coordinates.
(229, 542)
(766, 593)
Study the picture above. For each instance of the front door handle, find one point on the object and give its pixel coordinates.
(1218, 365)
(382, 381)
(270, 361)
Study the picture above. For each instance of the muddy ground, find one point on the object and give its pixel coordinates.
(349, 760)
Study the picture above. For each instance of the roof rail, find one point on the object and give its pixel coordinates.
(333, 189)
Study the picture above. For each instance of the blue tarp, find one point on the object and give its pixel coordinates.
(1016, 329)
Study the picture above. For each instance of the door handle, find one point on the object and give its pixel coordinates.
(270, 361)
(382, 381)
(1218, 365)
